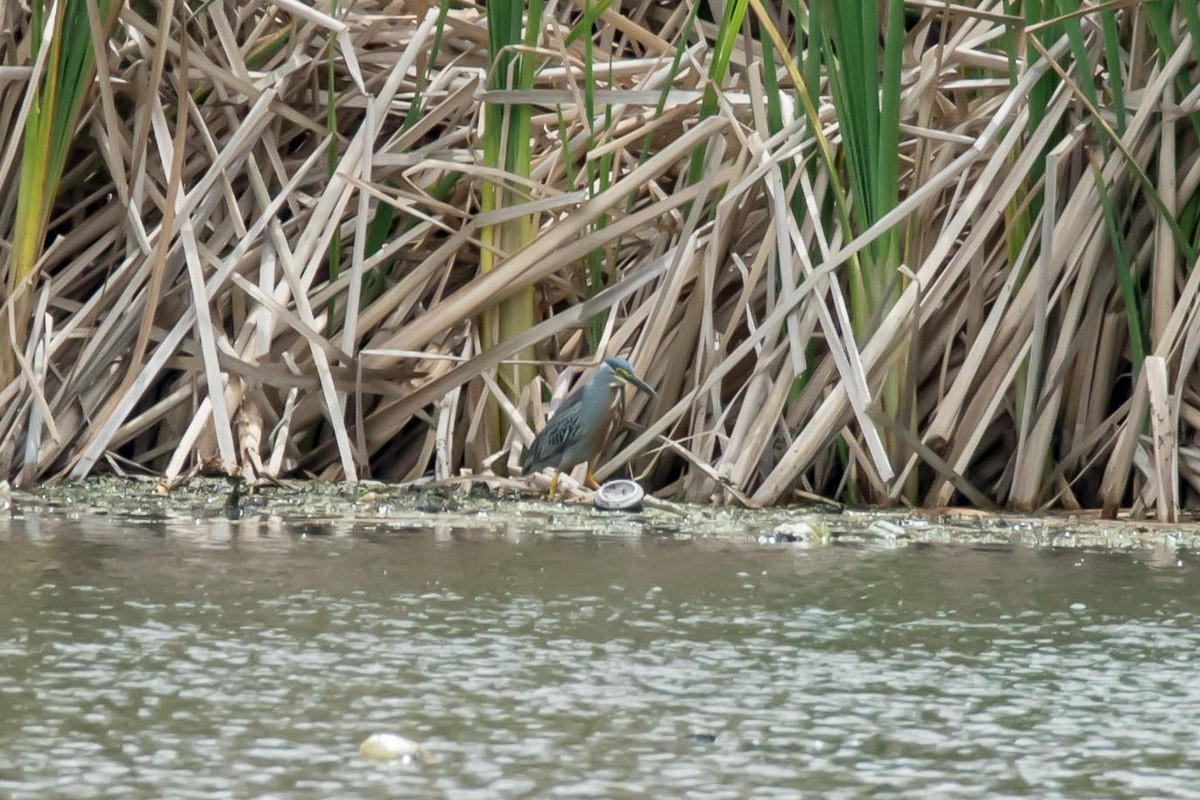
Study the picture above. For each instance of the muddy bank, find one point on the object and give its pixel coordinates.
(509, 512)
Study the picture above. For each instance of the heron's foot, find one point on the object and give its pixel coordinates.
(591, 480)
(554, 485)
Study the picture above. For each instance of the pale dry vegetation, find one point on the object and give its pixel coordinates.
(265, 254)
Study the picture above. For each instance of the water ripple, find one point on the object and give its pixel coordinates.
(136, 667)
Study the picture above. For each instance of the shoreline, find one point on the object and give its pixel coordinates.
(450, 509)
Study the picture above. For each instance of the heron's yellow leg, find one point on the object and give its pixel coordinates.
(554, 483)
(591, 479)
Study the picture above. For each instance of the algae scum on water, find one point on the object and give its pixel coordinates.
(413, 510)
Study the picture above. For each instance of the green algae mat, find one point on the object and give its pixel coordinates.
(481, 510)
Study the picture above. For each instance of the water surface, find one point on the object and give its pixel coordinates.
(218, 659)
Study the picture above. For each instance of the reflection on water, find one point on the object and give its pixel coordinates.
(241, 659)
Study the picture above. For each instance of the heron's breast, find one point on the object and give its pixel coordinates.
(600, 432)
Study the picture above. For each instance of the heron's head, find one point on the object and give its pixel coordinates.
(621, 372)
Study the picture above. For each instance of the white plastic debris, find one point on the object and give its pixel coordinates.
(620, 495)
(393, 747)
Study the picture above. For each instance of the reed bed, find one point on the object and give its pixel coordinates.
(919, 252)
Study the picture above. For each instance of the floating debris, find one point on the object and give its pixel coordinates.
(620, 495)
(803, 532)
(393, 747)
(887, 533)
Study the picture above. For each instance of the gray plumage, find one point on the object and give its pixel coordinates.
(577, 430)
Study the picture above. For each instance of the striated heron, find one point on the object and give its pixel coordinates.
(577, 430)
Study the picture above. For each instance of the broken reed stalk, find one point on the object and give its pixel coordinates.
(937, 281)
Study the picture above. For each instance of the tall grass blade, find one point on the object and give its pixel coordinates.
(506, 139)
(58, 96)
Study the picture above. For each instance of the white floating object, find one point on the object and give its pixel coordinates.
(802, 529)
(392, 747)
(620, 495)
(888, 533)
(803, 532)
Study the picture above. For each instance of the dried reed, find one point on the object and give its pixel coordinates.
(967, 272)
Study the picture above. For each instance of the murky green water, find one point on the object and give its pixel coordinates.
(237, 660)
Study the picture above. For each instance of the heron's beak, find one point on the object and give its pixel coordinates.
(640, 384)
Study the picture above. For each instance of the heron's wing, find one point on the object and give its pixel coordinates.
(573, 399)
(559, 434)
